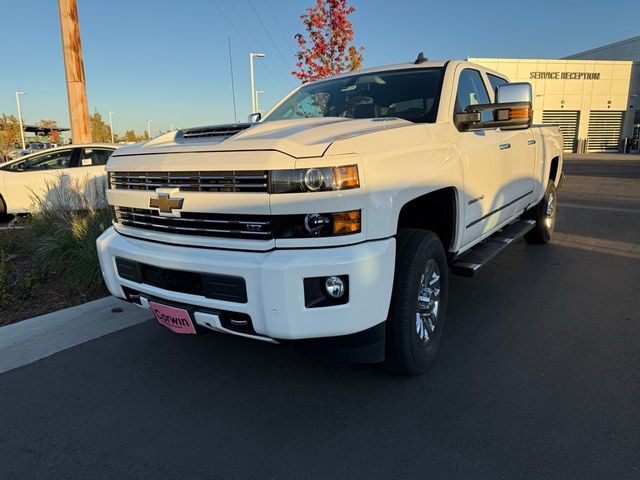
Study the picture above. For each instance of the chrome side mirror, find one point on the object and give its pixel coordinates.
(255, 117)
(514, 93)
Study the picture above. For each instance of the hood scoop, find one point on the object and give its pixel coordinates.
(215, 131)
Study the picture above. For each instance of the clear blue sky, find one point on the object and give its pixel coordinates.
(168, 61)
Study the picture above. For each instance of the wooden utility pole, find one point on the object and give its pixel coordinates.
(74, 69)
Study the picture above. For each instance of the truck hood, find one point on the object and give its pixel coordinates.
(299, 138)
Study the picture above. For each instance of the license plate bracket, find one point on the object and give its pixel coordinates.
(178, 320)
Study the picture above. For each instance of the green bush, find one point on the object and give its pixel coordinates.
(67, 221)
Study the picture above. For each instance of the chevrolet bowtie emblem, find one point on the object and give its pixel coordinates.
(165, 203)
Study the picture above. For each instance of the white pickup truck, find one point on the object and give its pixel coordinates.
(335, 220)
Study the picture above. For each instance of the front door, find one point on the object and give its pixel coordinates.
(485, 157)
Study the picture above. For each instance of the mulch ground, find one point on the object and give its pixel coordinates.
(26, 291)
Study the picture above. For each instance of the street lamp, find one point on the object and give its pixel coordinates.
(253, 91)
(149, 129)
(111, 125)
(20, 118)
(258, 93)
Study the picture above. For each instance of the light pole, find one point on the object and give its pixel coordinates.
(258, 93)
(111, 125)
(253, 91)
(149, 129)
(20, 118)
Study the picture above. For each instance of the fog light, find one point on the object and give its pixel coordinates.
(334, 287)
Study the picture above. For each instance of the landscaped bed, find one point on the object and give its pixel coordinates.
(27, 287)
(48, 261)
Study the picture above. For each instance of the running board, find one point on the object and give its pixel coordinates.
(470, 262)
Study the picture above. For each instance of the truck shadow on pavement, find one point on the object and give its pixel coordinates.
(518, 361)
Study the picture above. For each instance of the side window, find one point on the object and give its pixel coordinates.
(471, 91)
(495, 82)
(49, 161)
(94, 157)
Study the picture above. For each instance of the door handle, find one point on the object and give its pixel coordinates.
(531, 142)
(504, 146)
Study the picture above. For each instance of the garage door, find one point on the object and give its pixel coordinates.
(604, 131)
(567, 120)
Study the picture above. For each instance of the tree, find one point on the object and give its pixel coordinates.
(9, 135)
(330, 35)
(100, 131)
(130, 136)
(54, 136)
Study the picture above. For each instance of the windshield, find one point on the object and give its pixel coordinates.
(409, 94)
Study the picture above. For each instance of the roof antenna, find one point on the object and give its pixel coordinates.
(421, 59)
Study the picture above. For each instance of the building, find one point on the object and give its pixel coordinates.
(593, 96)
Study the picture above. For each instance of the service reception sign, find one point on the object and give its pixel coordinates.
(564, 76)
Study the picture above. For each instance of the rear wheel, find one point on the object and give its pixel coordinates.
(544, 215)
(419, 302)
(3, 207)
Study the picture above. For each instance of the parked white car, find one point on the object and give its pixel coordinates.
(335, 220)
(25, 177)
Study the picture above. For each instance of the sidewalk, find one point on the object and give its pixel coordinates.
(602, 156)
(30, 340)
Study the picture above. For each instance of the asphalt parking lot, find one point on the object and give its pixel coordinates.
(539, 377)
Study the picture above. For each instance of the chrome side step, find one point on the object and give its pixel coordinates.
(470, 262)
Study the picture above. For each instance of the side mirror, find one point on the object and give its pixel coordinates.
(514, 92)
(255, 117)
(512, 110)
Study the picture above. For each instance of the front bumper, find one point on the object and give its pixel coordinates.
(274, 283)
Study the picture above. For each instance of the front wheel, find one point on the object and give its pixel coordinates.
(544, 215)
(418, 304)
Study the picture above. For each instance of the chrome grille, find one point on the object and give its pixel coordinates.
(242, 181)
(252, 227)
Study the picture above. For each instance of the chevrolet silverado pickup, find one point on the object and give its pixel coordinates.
(336, 219)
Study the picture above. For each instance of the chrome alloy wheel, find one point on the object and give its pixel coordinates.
(428, 302)
(548, 221)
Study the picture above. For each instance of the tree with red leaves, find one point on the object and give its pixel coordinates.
(330, 35)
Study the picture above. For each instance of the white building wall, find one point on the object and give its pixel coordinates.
(577, 85)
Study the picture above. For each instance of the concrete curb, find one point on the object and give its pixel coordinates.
(602, 156)
(30, 340)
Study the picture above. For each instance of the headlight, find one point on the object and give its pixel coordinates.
(315, 179)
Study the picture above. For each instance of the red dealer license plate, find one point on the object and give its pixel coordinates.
(175, 319)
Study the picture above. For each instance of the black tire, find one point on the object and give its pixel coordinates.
(3, 207)
(544, 215)
(407, 350)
